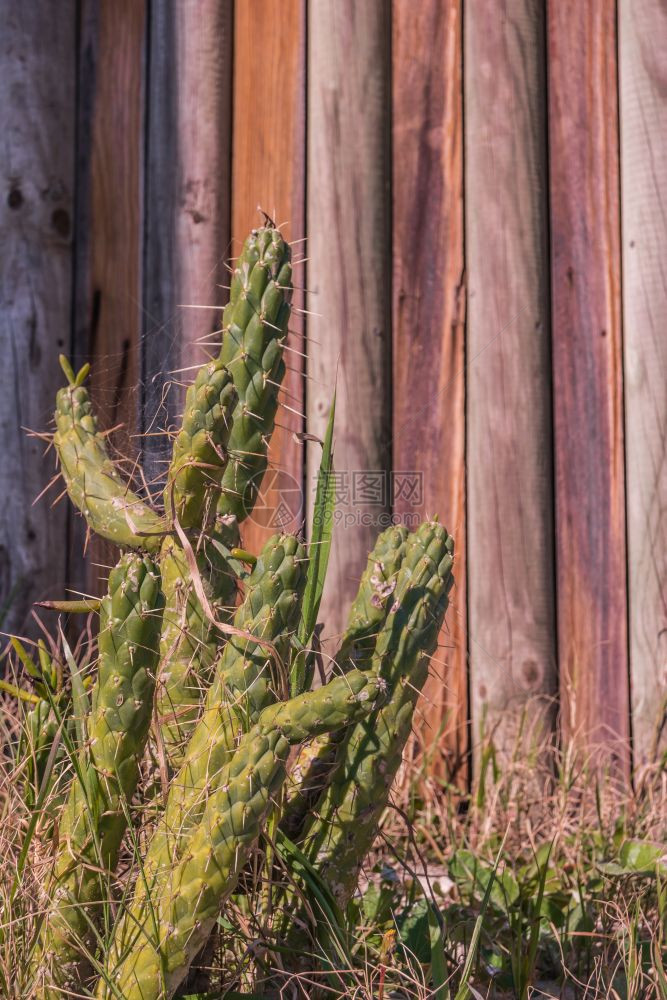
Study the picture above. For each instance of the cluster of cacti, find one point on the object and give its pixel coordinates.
(184, 670)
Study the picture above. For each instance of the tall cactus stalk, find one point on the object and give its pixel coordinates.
(95, 815)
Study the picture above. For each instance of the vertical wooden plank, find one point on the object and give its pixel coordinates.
(587, 375)
(428, 299)
(510, 547)
(349, 272)
(109, 223)
(187, 198)
(269, 171)
(643, 118)
(37, 121)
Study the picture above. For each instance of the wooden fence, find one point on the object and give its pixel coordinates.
(483, 189)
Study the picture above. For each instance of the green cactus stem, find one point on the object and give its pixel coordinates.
(340, 831)
(94, 818)
(254, 325)
(199, 455)
(93, 483)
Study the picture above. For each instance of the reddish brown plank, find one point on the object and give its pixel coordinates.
(349, 213)
(643, 117)
(37, 121)
(187, 204)
(428, 326)
(587, 376)
(269, 171)
(512, 644)
(109, 227)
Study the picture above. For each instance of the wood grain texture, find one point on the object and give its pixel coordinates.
(187, 203)
(428, 297)
(108, 285)
(269, 171)
(587, 376)
(512, 644)
(643, 117)
(349, 272)
(37, 121)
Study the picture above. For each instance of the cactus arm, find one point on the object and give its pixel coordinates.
(254, 329)
(343, 825)
(93, 483)
(94, 817)
(199, 456)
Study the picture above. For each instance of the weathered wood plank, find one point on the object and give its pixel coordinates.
(512, 645)
(349, 271)
(587, 376)
(269, 171)
(37, 122)
(187, 203)
(643, 119)
(428, 299)
(109, 224)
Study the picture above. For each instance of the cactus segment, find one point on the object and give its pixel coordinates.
(340, 831)
(94, 817)
(199, 456)
(93, 483)
(254, 329)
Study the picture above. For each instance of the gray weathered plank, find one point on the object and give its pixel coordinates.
(643, 120)
(349, 251)
(510, 549)
(428, 293)
(187, 202)
(37, 123)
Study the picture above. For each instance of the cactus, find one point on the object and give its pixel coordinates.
(94, 818)
(222, 699)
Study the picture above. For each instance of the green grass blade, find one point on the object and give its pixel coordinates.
(320, 547)
(438, 959)
(464, 991)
